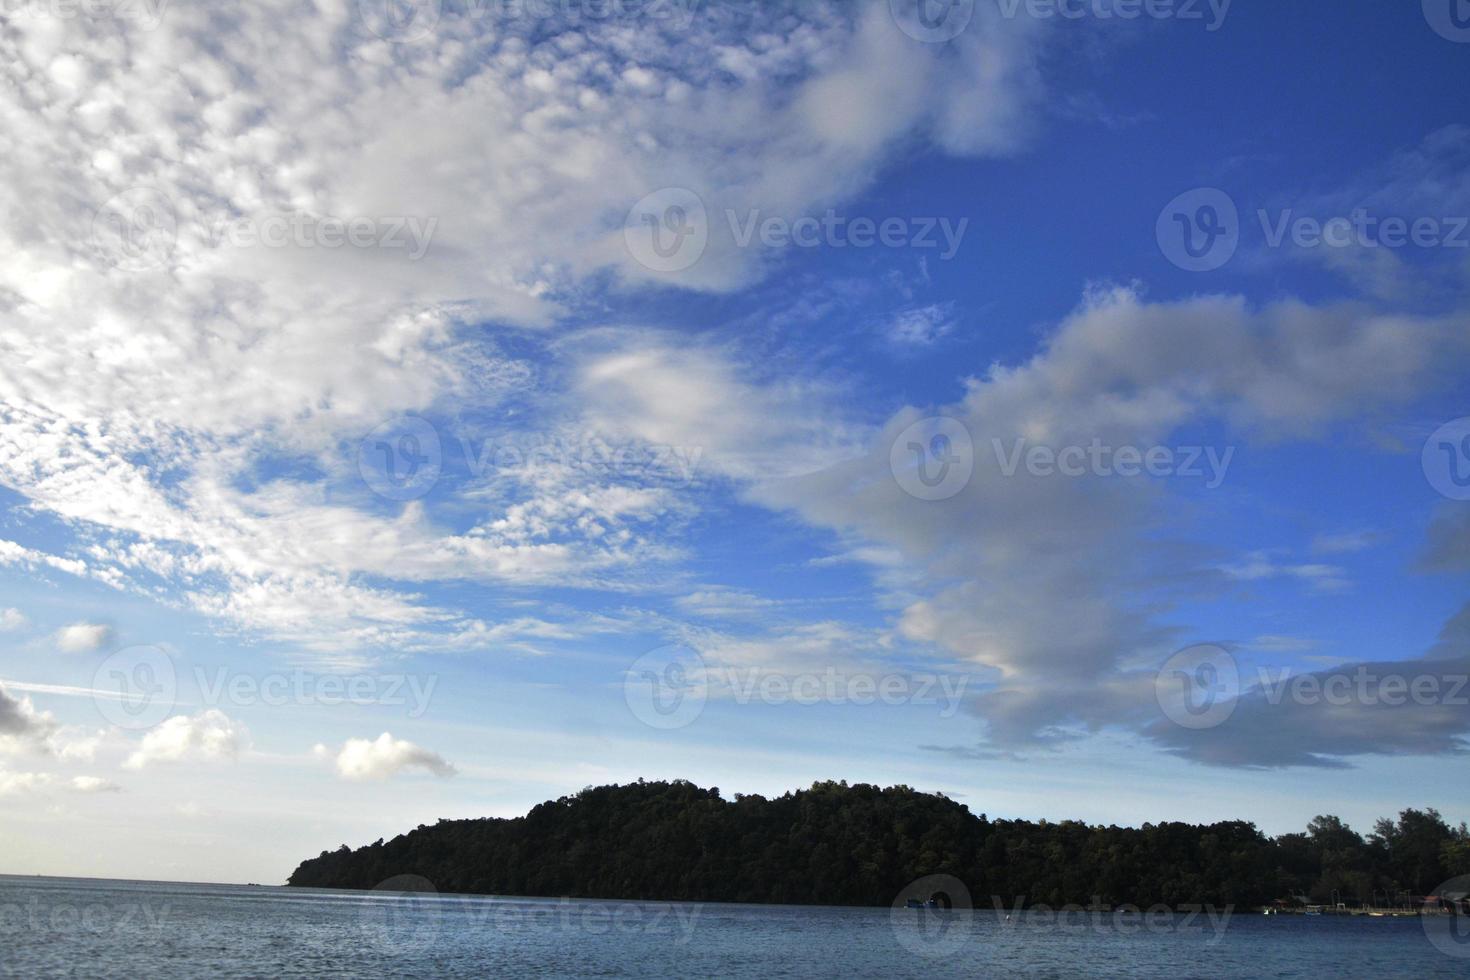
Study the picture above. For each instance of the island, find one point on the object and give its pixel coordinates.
(840, 844)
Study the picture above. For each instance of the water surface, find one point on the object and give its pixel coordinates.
(77, 927)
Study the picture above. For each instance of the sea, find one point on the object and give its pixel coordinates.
(69, 927)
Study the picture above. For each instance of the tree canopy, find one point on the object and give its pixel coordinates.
(836, 844)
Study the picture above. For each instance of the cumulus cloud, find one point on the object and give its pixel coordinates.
(22, 727)
(383, 757)
(12, 620)
(1058, 581)
(207, 736)
(83, 637)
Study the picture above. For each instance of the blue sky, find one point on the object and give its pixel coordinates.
(308, 538)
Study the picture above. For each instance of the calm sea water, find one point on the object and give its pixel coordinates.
(87, 928)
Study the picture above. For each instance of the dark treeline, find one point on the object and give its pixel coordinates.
(836, 844)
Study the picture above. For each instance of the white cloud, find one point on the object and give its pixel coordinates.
(1429, 180)
(18, 783)
(746, 427)
(15, 783)
(24, 730)
(526, 146)
(1346, 542)
(720, 602)
(1261, 565)
(22, 727)
(206, 736)
(83, 637)
(383, 757)
(12, 620)
(93, 784)
(920, 326)
(1059, 582)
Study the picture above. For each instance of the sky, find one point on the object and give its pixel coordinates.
(419, 411)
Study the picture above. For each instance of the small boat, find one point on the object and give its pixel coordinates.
(915, 903)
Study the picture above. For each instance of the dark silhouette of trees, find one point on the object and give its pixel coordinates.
(837, 844)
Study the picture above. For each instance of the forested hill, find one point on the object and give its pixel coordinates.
(836, 844)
